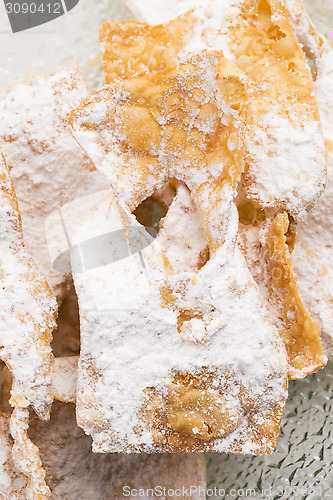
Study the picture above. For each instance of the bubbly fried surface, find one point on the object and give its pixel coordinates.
(266, 49)
(301, 333)
(28, 310)
(170, 124)
(268, 254)
(130, 48)
(181, 123)
(284, 141)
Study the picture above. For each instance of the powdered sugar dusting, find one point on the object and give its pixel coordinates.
(136, 343)
(47, 166)
(286, 163)
(27, 311)
(12, 482)
(279, 146)
(313, 256)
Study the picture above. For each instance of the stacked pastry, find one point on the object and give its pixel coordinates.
(187, 340)
(49, 169)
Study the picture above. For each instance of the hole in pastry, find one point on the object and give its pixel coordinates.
(250, 213)
(291, 234)
(66, 337)
(154, 208)
(149, 213)
(5, 388)
(172, 214)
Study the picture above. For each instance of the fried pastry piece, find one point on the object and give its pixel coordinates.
(184, 121)
(136, 351)
(147, 49)
(285, 146)
(267, 252)
(28, 481)
(267, 244)
(47, 166)
(293, 149)
(73, 471)
(13, 482)
(170, 360)
(313, 255)
(26, 455)
(28, 311)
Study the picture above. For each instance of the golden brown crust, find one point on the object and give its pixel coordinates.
(182, 123)
(196, 412)
(300, 333)
(269, 258)
(265, 47)
(131, 48)
(267, 50)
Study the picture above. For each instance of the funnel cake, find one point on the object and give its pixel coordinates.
(147, 49)
(285, 147)
(47, 166)
(157, 345)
